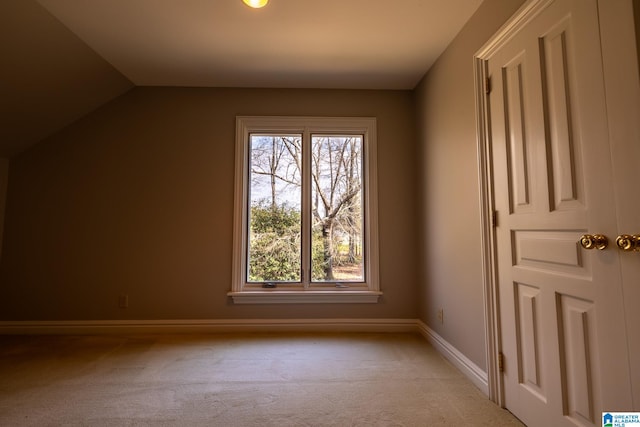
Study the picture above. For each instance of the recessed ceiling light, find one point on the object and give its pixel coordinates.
(256, 4)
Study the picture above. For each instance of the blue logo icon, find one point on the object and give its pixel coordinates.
(607, 420)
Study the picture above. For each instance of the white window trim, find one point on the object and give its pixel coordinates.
(241, 293)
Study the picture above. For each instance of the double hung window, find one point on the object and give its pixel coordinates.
(305, 210)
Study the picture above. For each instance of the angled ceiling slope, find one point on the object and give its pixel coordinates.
(354, 44)
(64, 58)
(49, 77)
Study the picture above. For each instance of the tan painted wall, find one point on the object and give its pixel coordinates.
(451, 254)
(636, 19)
(137, 198)
(48, 78)
(4, 180)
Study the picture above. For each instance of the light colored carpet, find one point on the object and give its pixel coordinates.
(236, 380)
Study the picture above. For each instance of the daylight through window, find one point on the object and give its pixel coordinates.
(305, 210)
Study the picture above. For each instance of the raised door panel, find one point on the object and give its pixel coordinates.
(565, 171)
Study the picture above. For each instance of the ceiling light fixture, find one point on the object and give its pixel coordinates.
(256, 4)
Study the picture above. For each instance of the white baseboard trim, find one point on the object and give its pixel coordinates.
(472, 371)
(205, 326)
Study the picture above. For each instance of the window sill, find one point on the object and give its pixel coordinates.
(304, 297)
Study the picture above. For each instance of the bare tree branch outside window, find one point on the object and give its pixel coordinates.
(275, 221)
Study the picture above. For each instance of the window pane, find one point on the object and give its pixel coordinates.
(274, 249)
(336, 198)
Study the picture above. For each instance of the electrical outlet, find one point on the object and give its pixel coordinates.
(123, 301)
(441, 315)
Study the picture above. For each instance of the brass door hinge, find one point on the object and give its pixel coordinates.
(487, 85)
(500, 362)
(494, 218)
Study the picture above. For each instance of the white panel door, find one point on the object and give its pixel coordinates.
(622, 83)
(562, 324)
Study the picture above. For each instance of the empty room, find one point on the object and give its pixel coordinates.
(319, 212)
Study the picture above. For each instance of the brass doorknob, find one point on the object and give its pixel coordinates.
(628, 243)
(591, 241)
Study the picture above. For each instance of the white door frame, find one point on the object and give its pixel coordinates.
(617, 28)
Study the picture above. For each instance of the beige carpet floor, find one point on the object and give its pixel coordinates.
(236, 380)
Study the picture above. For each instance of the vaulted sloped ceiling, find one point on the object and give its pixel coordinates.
(48, 76)
(62, 59)
(330, 44)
